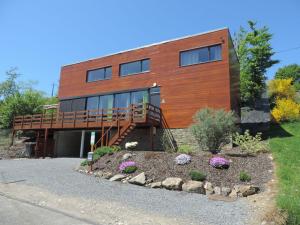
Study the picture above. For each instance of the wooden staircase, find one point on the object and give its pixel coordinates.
(119, 137)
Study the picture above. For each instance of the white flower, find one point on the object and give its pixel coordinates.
(130, 145)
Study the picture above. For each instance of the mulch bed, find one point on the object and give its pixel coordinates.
(160, 165)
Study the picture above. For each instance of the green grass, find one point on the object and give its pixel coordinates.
(285, 146)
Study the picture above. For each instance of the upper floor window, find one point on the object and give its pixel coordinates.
(99, 74)
(200, 55)
(135, 67)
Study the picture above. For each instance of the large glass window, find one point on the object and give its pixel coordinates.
(122, 100)
(200, 55)
(139, 97)
(106, 102)
(135, 67)
(99, 74)
(92, 103)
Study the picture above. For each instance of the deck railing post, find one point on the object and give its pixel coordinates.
(62, 119)
(22, 123)
(74, 118)
(51, 122)
(31, 121)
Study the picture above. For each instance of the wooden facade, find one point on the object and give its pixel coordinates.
(183, 89)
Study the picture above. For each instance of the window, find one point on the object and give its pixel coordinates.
(135, 67)
(99, 74)
(106, 102)
(92, 103)
(200, 55)
(122, 100)
(139, 97)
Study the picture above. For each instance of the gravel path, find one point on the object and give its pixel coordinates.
(57, 178)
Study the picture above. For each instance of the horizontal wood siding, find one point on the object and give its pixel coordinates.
(184, 90)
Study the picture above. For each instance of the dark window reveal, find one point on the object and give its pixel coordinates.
(99, 74)
(135, 67)
(200, 55)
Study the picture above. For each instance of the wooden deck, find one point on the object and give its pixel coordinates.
(145, 114)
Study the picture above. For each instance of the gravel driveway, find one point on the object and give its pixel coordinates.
(53, 184)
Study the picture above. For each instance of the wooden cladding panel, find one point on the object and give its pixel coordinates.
(184, 90)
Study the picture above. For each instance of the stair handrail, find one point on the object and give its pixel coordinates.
(168, 132)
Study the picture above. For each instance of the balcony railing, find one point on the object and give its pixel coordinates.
(137, 113)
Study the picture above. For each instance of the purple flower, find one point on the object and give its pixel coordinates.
(124, 165)
(219, 162)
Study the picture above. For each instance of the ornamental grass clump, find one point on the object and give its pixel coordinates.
(128, 167)
(183, 159)
(219, 163)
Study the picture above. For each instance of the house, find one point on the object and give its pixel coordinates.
(147, 94)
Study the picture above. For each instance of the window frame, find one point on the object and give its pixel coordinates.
(141, 67)
(105, 76)
(200, 47)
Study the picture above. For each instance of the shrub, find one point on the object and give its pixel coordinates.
(124, 165)
(282, 88)
(213, 128)
(286, 110)
(84, 163)
(99, 152)
(116, 148)
(219, 163)
(250, 144)
(183, 159)
(245, 177)
(185, 149)
(130, 169)
(197, 175)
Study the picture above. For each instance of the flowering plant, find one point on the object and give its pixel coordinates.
(183, 159)
(124, 165)
(219, 162)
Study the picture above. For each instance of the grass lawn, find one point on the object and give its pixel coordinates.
(285, 145)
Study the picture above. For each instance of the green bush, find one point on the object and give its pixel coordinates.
(84, 163)
(99, 152)
(250, 144)
(185, 149)
(197, 175)
(116, 148)
(213, 128)
(130, 169)
(245, 177)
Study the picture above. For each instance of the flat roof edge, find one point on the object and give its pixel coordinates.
(149, 45)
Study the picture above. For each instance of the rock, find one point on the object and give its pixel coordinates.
(194, 187)
(139, 179)
(172, 183)
(225, 191)
(98, 174)
(233, 193)
(117, 177)
(156, 185)
(208, 188)
(107, 175)
(217, 190)
(126, 156)
(245, 190)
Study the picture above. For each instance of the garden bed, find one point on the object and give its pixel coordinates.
(160, 165)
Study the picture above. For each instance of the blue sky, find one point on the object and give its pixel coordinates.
(40, 36)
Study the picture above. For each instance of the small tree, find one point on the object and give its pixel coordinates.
(255, 56)
(213, 128)
(289, 71)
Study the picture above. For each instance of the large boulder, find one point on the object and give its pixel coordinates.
(244, 190)
(139, 179)
(172, 183)
(225, 191)
(117, 177)
(194, 187)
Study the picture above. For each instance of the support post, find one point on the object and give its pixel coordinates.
(45, 142)
(82, 143)
(36, 148)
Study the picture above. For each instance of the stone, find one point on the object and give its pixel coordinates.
(225, 191)
(245, 190)
(193, 187)
(217, 190)
(139, 179)
(98, 174)
(126, 156)
(117, 177)
(156, 185)
(172, 183)
(233, 193)
(107, 175)
(208, 188)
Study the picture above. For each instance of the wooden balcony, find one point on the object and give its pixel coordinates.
(142, 114)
